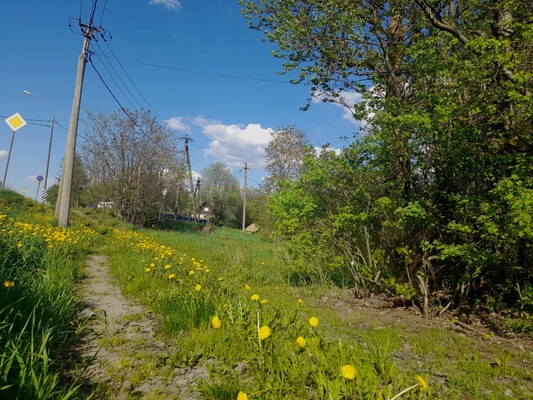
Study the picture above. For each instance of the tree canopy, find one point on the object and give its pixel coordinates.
(130, 159)
(435, 191)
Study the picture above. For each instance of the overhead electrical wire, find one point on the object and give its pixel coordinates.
(114, 75)
(217, 75)
(129, 78)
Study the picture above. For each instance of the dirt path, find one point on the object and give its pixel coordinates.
(125, 360)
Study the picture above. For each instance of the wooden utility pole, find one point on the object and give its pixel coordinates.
(244, 198)
(65, 185)
(188, 158)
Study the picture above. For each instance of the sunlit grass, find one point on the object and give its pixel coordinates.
(225, 304)
(39, 267)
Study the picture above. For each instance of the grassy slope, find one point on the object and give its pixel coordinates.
(243, 280)
(389, 347)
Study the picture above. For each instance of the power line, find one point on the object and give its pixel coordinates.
(217, 75)
(116, 83)
(129, 78)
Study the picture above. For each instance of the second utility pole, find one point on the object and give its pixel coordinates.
(244, 198)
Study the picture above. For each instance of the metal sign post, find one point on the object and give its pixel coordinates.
(39, 179)
(15, 122)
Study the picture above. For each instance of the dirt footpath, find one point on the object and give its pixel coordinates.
(123, 359)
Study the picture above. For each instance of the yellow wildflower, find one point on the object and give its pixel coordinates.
(198, 287)
(300, 301)
(264, 332)
(171, 276)
(264, 301)
(148, 269)
(242, 396)
(313, 321)
(191, 272)
(421, 382)
(301, 341)
(167, 266)
(9, 283)
(255, 297)
(247, 287)
(348, 371)
(216, 322)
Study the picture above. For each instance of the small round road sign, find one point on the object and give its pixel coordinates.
(40, 178)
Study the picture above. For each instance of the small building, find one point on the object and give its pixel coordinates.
(204, 213)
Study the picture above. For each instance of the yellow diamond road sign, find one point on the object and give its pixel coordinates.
(15, 122)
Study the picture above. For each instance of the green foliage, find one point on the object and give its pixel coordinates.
(446, 106)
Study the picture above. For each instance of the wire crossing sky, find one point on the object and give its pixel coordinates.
(193, 63)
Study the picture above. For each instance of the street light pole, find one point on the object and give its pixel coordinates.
(51, 136)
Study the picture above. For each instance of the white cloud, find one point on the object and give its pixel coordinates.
(173, 5)
(235, 144)
(320, 150)
(345, 100)
(3, 153)
(177, 124)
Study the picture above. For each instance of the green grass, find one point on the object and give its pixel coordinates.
(39, 270)
(186, 278)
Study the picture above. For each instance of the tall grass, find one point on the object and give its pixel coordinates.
(218, 294)
(225, 302)
(39, 268)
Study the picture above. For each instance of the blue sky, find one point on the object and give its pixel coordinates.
(194, 63)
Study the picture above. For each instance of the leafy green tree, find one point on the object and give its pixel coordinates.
(285, 153)
(80, 182)
(448, 110)
(220, 189)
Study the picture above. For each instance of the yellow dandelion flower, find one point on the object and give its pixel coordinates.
(313, 321)
(247, 287)
(148, 269)
(421, 382)
(216, 322)
(242, 396)
(255, 297)
(264, 301)
(167, 266)
(198, 287)
(301, 341)
(300, 301)
(264, 332)
(348, 371)
(191, 272)
(19, 245)
(171, 276)
(9, 283)
(152, 265)
(220, 279)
